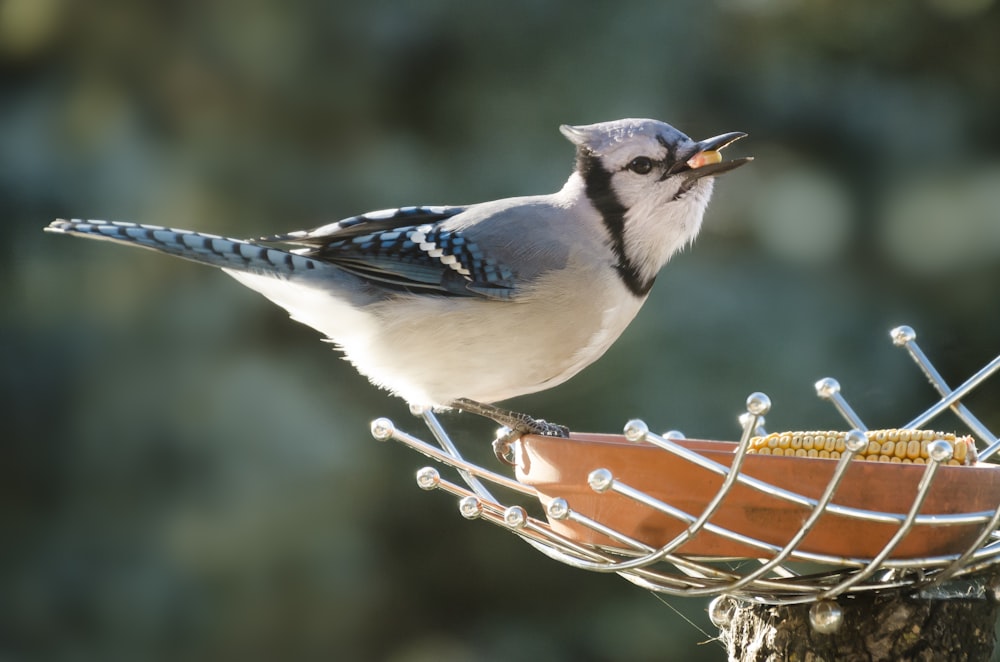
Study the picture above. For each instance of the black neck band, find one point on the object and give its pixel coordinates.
(597, 181)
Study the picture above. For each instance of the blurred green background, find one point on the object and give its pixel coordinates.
(186, 474)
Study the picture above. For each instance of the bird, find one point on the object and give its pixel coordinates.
(462, 307)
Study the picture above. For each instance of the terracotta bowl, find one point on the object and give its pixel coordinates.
(560, 467)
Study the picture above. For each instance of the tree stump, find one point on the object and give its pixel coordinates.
(876, 626)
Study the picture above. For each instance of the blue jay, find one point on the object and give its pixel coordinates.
(464, 306)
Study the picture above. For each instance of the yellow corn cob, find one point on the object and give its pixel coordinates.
(895, 445)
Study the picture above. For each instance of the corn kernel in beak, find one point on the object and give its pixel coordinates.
(704, 158)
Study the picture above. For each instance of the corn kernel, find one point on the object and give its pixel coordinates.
(901, 447)
(707, 157)
(961, 450)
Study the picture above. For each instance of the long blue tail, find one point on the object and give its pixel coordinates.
(238, 254)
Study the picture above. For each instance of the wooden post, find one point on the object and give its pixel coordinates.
(886, 625)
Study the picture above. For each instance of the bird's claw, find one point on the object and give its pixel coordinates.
(542, 427)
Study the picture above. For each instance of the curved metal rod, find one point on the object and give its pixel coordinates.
(646, 559)
(923, 488)
(956, 395)
(558, 547)
(434, 425)
(808, 524)
(569, 552)
(963, 560)
(696, 525)
(641, 497)
(731, 477)
(798, 499)
(469, 472)
(456, 461)
(906, 337)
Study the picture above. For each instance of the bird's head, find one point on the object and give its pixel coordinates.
(651, 184)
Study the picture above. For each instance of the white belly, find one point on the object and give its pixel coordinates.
(434, 350)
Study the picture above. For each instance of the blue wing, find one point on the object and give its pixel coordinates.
(408, 250)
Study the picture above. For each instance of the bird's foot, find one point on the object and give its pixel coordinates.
(542, 427)
(516, 421)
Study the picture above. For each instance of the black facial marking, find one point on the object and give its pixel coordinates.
(598, 186)
(672, 163)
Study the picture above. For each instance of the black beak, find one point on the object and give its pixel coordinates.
(718, 142)
(696, 167)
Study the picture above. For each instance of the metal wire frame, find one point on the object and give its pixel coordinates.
(779, 574)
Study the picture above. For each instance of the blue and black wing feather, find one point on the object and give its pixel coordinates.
(407, 250)
(386, 219)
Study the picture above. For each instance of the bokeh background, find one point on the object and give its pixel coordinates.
(185, 474)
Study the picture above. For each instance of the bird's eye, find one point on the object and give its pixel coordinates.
(640, 165)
